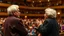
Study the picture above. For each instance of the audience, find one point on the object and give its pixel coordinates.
(31, 23)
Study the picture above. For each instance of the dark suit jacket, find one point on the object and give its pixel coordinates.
(49, 27)
(14, 27)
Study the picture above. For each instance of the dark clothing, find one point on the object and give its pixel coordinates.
(49, 27)
(14, 27)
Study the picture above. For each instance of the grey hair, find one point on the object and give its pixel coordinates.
(50, 12)
(11, 9)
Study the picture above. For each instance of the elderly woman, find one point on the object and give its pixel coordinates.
(13, 26)
(50, 26)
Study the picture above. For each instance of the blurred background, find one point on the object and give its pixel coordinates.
(33, 13)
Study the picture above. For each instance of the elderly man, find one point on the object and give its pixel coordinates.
(50, 26)
(13, 26)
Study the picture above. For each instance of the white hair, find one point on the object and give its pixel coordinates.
(50, 12)
(12, 9)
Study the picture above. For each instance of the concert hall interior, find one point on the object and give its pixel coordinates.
(32, 14)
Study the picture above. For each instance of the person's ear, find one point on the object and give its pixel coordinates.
(14, 13)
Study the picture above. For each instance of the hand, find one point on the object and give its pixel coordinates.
(40, 23)
(39, 34)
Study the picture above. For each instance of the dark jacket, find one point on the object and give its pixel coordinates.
(14, 27)
(49, 27)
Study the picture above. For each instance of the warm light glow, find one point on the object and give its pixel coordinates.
(30, 27)
(25, 16)
(58, 13)
(60, 1)
(48, 0)
(57, 3)
(39, 1)
(33, 1)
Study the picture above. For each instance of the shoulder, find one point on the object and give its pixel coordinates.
(13, 19)
(50, 19)
(47, 20)
(17, 19)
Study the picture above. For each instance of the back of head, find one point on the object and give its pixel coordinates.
(11, 9)
(50, 12)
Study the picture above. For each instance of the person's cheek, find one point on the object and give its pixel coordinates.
(18, 13)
